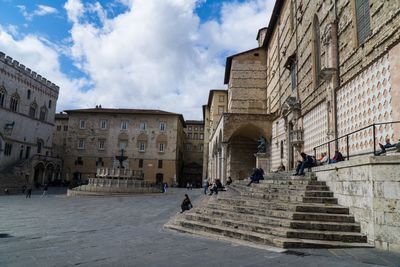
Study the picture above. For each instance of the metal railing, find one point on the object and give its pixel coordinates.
(347, 136)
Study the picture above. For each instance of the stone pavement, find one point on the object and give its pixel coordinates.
(128, 231)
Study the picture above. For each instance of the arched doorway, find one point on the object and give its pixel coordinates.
(159, 178)
(50, 174)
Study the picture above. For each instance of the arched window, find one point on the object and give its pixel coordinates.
(2, 96)
(39, 146)
(32, 110)
(316, 51)
(14, 101)
(363, 20)
(43, 113)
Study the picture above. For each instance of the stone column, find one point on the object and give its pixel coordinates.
(223, 160)
(262, 161)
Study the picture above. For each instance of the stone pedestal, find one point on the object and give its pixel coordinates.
(262, 161)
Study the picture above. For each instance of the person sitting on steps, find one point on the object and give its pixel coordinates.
(186, 204)
(338, 157)
(308, 162)
(256, 176)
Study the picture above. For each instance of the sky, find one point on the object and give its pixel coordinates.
(152, 54)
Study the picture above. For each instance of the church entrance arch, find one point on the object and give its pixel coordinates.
(38, 174)
(159, 178)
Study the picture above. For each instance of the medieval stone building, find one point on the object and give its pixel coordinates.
(324, 71)
(27, 107)
(151, 141)
(193, 152)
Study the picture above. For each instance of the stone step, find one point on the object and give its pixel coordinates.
(326, 235)
(236, 235)
(263, 228)
(317, 187)
(250, 203)
(264, 217)
(307, 216)
(322, 208)
(274, 197)
(330, 200)
(326, 226)
(318, 194)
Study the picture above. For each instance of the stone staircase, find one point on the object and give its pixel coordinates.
(282, 210)
(10, 178)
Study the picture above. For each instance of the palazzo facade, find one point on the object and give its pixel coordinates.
(322, 70)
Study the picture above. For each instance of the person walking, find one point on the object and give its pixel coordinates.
(205, 186)
(28, 192)
(45, 188)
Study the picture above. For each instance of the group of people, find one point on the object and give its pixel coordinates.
(215, 186)
(310, 161)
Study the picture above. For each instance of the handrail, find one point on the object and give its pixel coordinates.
(351, 133)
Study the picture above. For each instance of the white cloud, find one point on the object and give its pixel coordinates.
(43, 59)
(41, 10)
(157, 54)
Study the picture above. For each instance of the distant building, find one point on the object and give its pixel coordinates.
(193, 152)
(27, 107)
(151, 141)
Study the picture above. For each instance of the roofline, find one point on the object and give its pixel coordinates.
(259, 31)
(229, 63)
(273, 20)
(212, 92)
(126, 111)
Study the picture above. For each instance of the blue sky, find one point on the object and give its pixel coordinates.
(131, 53)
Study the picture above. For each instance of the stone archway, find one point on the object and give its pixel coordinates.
(242, 147)
(49, 174)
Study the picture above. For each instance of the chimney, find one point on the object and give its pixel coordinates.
(261, 36)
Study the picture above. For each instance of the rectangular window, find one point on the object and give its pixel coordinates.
(142, 126)
(65, 128)
(293, 76)
(188, 147)
(82, 124)
(103, 124)
(79, 161)
(29, 94)
(195, 128)
(195, 136)
(189, 136)
(49, 103)
(220, 109)
(58, 127)
(363, 20)
(162, 126)
(221, 98)
(201, 129)
(140, 163)
(2, 97)
(81, 143)
(160, 164)
(102, 144)
(161, 147)
(190, 128)
(123, 144)
(27, 152)
(124, 125)
(7, 149)
(142, 147)
(201, 136)
(99, 162)
(200, 147)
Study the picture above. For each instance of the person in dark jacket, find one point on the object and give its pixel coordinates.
(338, 157)
(186, 204)
(308, 162)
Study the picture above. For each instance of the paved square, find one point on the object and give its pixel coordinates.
(128, 231)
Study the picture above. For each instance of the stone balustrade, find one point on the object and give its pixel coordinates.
(119, 173)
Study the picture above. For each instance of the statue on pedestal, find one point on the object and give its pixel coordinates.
(262, 145)
(121, 159)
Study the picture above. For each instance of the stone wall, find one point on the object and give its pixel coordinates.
(278, 139)
(370, 187)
